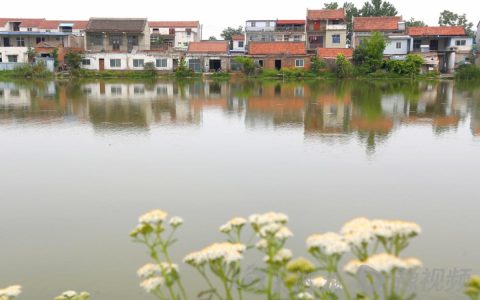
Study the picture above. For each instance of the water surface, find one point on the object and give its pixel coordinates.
(80, 161)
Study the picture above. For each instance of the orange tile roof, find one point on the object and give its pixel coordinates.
(289, 22)
(376, 23)
(54, 24)
(209, 47)
(23, 22)
(173, 24)
(292, 48)
(238, 37)
(437, 31)
(326, 14)
(332, 52)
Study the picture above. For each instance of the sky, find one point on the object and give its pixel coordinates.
(216, 15)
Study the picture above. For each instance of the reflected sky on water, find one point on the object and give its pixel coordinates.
(81, 161)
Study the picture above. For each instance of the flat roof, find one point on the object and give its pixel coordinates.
(33, 33)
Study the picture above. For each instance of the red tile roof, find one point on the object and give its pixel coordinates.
(257, 48)
(326, 14)
(238, 37)
(290, 22)
(220, 47)
(54, 24)
(23, 22)
(174, 24)
(437, 31)
(332, 52)
(376, 23)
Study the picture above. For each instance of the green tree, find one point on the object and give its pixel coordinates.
(411, 66)
(317, 64)
(369, 55)
(378, 8)
(448, 18)
(73, 60)
(248, 64)
(229, 32)
(415, 23)
(331, 5)
(343, 67)
(55, 57)
(31, 54)
(149, 69)
(212, 38)
(350, 11)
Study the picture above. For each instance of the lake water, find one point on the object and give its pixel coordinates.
(81, 161)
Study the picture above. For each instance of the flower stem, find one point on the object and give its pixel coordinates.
(342, 282)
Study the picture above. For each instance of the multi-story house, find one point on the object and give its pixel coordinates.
(238, 43)
(326, 28)
(278, 55)
(117, 35)
(18, 35)
(393, 28)
(275, 31)
(174, 34)
(445, 47)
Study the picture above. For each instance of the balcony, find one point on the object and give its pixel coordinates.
(337, 27)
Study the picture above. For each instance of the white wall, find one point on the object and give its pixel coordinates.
(21, 53)
(126, 61)
(391, 47)
(236, 46)
(260, 25)
(468, 45)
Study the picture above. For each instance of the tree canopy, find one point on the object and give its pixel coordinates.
(229, 32)
(331, 5)
(212, 38)
(378, 8)
(448, 18)
(415, 23)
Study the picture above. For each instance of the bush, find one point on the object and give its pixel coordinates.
(369, 54)
(343, 67)
(468, 72)
(149, 69)
(411, 66)
(73, 60)
(293, 72)
(269, 73)
(248, 64)
(317, 64)
(183, 70)
(38, 70)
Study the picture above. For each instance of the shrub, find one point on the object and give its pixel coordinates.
(182, 69)
(248, 64)
(38, 70)
(317, 64)
(149, 69)
(411, 66)
(269, 73)
(293, 72)
(369, 54)
(468, 72)
(343, 67)
(73, 60)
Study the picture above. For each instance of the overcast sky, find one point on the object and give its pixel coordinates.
(218, 14)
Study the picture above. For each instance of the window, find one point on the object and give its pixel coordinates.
(336, 39)
(85, 62)
(189, 31)
(260, 63)
(286, 38)
(267, 24)
(161, 63)
(87, 91)
(115, 41)
(12, 58)
(115, 63)
(1, 60)
(195, 65)
(171, 31)
(399, 45)
(254, 24)
(461, 42)
(48, 30)
(96, 40)
(138, 63)
(116, 90)
(40, 39)
(20, 42)
(29, 29)
(156, 30)
(299, 63)
(297, 38)
(417, 43)
(240, 44)
(132, 40)
(185, 44)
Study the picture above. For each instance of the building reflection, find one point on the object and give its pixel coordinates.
(367, 111)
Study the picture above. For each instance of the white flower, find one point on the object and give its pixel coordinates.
(329, 243)
(148, 270)
(283, 255)
(227, 252)
(318, 282)
(153, 217)
(268, 218)
(168, 268)
(176, 221)
(152, 283)
(226, 228)
(233, 223)
(270, 229)
(69, 294)
(304, 296)
(262, 244)
(389, 229)
(352, 267)
(385, 263)
(358, 232)
(10, 292)
(412, 263)
(283, 233)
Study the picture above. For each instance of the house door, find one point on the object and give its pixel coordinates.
(434, 45)
(278, 64)
(316, 26)
(6, 42)
(101, 64)
(215, 65)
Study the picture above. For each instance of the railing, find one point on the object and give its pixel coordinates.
(337, 27)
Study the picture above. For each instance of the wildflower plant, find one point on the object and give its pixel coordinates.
(72, 295)
(472, 288)
(10, 292)
(160, 277)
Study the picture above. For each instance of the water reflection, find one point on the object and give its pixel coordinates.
(327, 111)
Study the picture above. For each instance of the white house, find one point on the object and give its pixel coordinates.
(127, 61)
(238, 43)
(176, 34)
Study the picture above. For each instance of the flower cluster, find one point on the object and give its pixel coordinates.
(10, 292)
(233, 224)
(383, 263)
(472, 287)
(328, 244)
(224, 252)
(72, 295)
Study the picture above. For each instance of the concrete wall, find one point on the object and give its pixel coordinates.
(20, 52)
(205, 61)
(126, 61)
(143, 41)
(263, 25)
(391, 46)
(328, 43)
(287, 62)
(468, 43)
(237, 48)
